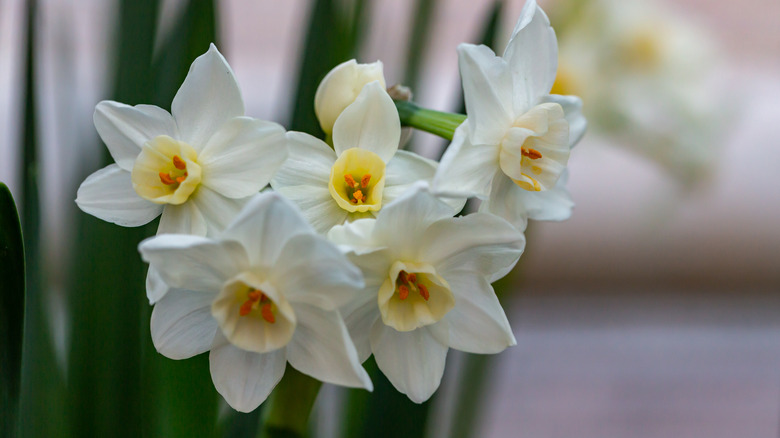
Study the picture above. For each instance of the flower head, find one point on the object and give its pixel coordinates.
(196, 166)
(517, 137)
(263, 293)
(427, 289)
(363, 172)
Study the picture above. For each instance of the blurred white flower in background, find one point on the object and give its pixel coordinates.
(645, 76)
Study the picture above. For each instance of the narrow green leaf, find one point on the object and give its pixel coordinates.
(384, 413)
(286, 412)
(107, 299)
(41, 403)
(12, 296)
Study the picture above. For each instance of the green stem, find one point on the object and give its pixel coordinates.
(286, 413)
(436, 122)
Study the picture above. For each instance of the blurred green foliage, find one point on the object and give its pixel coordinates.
(12, 296)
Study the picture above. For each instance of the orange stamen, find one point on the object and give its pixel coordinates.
(424, 292)
(166, 179)
(350, 181)
(181, 179)
(245, 308)
(365, 180)
(412, 278)
(531, 153)
(179, 163)
(403, 292)
(267, 313)
(403, 276)
(358, 196)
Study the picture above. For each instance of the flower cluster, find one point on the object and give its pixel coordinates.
(357, 248)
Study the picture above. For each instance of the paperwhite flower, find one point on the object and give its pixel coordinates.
(428, 287)
(196, 166)
(647, 74)
(364, 172)
(517, 136)
(341, 86)
(264, 293)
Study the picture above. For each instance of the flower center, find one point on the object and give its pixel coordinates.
(253, 314)
(535, 150)
(413, 296)
(166, 171)
(258, 300)
(357, 180)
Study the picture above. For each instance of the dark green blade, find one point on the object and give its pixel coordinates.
(107, 299)
(12, 295)
(41, 403)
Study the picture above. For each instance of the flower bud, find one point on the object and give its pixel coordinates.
(340, 87)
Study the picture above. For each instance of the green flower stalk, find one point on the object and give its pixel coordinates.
(438, 123)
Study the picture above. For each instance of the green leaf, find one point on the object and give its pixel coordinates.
(106, 387)
(286, 412)
(41, 401)
(12, 295)
(384, 413)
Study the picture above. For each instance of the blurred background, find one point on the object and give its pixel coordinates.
(653, 312)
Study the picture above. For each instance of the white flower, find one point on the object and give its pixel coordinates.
(341, 86)
(365, 171)
(196, 166)
(428, 287)
(517, 136)
(264, 293)
(648, 77)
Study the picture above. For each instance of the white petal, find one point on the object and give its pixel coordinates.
(244, 378)
(403, 171)
(506, 200)
(466, 168)
(354, 236)
(309, 162)
(193, 262)
(182, 325)
(572, 109)
(317, 206)
(155, 286)
(550, 205)
(321, 347)
(207, 99)
(371, 123)
(402, 223)
(182, 219)
(477, 323)
(532, 53)
(108, 195)
(312, 270)
(487, 90)
(360, 314)
(264, 226)
(242, 156)
(412, 361)
(124, 129)
(479, 243)
(218, 211)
